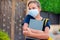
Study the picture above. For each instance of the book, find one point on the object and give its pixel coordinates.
(36, 24)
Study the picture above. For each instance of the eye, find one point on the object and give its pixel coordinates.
(29, 8)
(33, 8)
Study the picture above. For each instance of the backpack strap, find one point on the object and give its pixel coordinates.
(45, 21)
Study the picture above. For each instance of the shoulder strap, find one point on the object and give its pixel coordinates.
(45, 21)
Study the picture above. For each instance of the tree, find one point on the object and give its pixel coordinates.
(51, 6)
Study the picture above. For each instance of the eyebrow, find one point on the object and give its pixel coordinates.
(32, 8)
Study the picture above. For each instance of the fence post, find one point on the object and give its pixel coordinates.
(12, 19)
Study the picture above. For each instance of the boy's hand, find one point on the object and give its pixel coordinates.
(27, 32)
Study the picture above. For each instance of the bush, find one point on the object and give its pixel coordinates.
(51, 6)
(4, 36)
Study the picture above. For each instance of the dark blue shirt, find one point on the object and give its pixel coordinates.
(27, 20)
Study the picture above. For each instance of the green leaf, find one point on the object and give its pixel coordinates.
(51, 6)
(4, 36)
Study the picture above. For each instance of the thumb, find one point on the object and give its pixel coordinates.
(28, 29)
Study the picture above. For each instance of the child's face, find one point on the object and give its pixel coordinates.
(33, 6)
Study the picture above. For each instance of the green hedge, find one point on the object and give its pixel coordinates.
(51, 6)
(4, 36)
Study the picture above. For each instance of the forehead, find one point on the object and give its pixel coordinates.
(32, 5)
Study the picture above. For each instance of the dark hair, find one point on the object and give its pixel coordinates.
(36, 2)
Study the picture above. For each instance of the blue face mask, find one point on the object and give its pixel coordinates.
(33, 12)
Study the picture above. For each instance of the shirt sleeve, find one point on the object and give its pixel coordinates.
(48, 24)
(27, 19)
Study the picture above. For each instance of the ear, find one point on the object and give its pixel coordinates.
(39, 9)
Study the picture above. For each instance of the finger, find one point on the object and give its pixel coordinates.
(24, 32)
(29, 29)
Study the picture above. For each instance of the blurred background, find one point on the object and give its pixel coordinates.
(12, 13)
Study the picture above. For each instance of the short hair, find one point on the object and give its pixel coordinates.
(36, 2)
